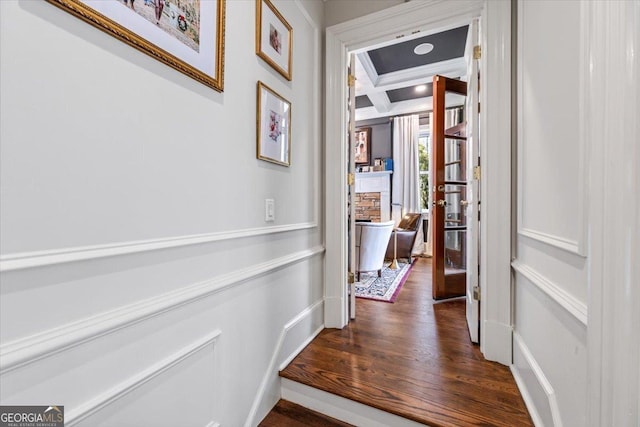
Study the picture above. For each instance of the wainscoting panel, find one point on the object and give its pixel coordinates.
(551, 157)
(550, 354)
(188, 376)
(108, 284)
(260, 324)
(550, 254)
(16, 353)
(536, 391)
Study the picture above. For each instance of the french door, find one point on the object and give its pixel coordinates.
(449, 142)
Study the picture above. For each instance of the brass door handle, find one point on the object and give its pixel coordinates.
(464, 203)
(442, 203)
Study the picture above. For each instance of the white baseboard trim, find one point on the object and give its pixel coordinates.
(332, 310)
(564, 299)
(271, 374)
(542, 384)
(497, 342)
(47, 343)
(340, 408)
(59, 256)
(92, 406)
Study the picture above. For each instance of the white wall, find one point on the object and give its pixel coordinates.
(137, 268)
(550, 302)
(337, 11)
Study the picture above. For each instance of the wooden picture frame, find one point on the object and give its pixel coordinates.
(362, 146)
(274, 38)
(186, 38)
(273, 124)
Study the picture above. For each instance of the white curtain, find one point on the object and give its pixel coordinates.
(406, 172)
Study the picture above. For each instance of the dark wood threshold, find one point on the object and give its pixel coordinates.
(412, 358)
(287, 414)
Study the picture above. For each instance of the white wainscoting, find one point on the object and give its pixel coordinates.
(549, 135)
(550, 355)
(537, 392)
(91, 412)
(574, 306)
(295, 336)
(50, 342)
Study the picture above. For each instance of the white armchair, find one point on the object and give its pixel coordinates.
(372, 239)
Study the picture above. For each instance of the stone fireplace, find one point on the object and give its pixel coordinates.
(373, 196)
(368, 206)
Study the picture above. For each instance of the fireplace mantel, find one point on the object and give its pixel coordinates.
(377, 182)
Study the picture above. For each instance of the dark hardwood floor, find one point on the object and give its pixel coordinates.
(412, 358)
(287, 414)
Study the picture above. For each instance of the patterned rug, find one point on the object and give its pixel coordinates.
(385, 288)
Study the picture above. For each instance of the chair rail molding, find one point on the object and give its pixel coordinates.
(564, 299)
(53, 341)
(33, 259)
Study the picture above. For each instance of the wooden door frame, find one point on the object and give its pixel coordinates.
(441, 85)
(495, 38)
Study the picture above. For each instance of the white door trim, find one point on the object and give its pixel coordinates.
(610, 75)
(431, 16)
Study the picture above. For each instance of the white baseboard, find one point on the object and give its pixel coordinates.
(340, 408)
(496, 343)
(332, 310)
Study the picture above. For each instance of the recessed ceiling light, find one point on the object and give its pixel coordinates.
(423, 48)
(421, 88)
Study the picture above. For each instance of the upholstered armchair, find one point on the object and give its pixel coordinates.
(407, 231)
(371, 241)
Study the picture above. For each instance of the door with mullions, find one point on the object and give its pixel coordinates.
(449, 184)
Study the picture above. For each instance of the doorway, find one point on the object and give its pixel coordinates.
(380, 28)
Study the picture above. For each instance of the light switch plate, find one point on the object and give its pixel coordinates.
(269, 210)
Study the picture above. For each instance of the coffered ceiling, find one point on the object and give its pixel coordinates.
(396, 78)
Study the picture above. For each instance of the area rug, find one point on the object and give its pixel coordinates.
(385, 288)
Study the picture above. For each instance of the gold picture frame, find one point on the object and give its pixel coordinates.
(274, 38)
(168, 31)
(273, 125)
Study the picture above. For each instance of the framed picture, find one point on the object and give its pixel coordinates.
(362, 146)
(187, 35)
(274, 38)
(274, 126)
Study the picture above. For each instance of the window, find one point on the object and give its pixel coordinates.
(424, 144)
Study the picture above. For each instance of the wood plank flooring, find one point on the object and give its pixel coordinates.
(412, 358)
(287, 414)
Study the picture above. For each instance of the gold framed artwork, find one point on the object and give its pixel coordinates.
(273, 126)
(187, 35)
(274, 38)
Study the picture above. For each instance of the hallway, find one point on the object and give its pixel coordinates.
(412, 358)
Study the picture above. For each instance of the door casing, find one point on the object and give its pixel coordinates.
(428, 17)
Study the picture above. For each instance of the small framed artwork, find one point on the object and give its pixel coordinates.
(186, 35)
(274, 126)
(274, 38)
(362, 146)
